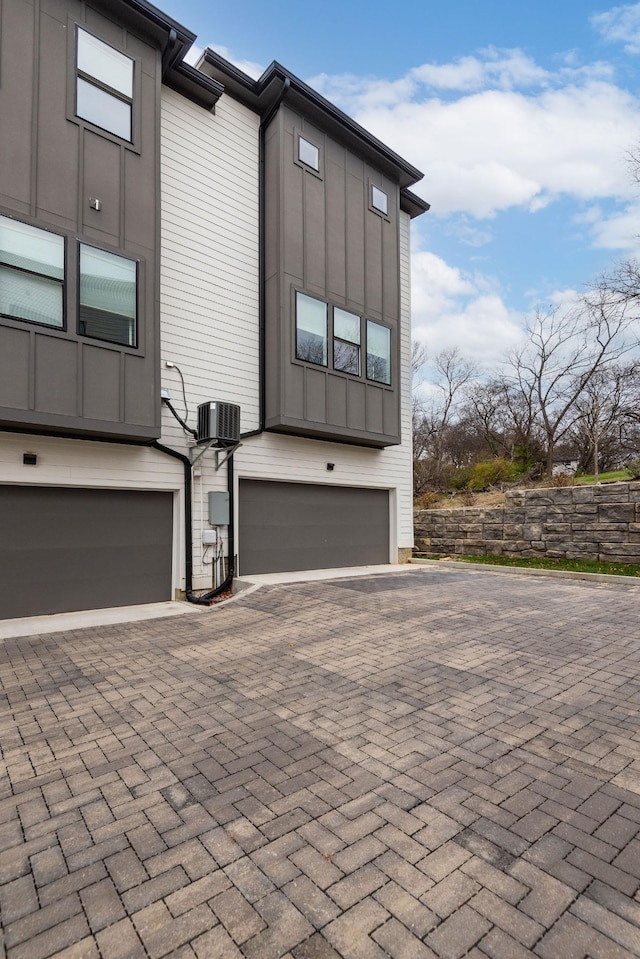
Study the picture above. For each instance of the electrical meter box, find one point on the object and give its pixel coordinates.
(218, 509)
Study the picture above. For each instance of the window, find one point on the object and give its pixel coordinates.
(378, 352)
(379, 200)
(104, 86)
(346, 341)
(31, 273)
(309, 154)
(311, 329)
(108, 287)
(312, 340)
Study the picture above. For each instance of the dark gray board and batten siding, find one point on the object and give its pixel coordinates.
(55, 380)
(322, 237)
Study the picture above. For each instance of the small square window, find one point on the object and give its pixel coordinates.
(379, 200)
(308, 153)
(108, 296)
(104, 86)
(378, 352)
(31, 273)
(311, 330)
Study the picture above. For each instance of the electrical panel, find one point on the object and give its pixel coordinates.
(218, 509)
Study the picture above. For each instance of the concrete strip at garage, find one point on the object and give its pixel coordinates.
(421, 763)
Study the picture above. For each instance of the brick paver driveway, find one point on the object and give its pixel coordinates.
(434, 763)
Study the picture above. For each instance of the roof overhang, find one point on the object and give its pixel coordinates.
(261, 94)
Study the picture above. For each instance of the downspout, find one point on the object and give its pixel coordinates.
(205, 599)
(264, 123)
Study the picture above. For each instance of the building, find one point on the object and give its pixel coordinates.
(208, 237)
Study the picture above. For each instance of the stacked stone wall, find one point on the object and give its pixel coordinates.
(575, 522)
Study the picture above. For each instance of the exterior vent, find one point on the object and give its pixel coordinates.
(218, 422)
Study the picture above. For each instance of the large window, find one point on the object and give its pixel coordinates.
(31, 273)
(347, 344)
(311, 329)
(104, 86)
(108, 285)
(378, 352)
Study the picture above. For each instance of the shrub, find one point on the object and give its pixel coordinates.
(634, 468)
(427, 500)
(491, 473)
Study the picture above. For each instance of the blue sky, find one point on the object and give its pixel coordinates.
(520, 114)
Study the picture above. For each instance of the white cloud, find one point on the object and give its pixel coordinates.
(620, 25)
(450, 309)
(504, 69)
(507, 134)
(619, 231)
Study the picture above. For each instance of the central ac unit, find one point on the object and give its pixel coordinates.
(218, 422)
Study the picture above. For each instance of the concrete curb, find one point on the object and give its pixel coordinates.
(610, 578)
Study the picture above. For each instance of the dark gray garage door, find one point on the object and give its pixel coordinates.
(66, 549)
(289, 526)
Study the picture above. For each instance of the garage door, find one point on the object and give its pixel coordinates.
(66, 549)
(289, 526)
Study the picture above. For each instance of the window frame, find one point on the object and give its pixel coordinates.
(383, 326)
(74, 73)
(340, 339)
(328, 331)
(134, 347)
(374, 209)
(330, 367)
(62, 282)
(317, 141)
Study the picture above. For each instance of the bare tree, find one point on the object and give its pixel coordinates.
(451, 373)
(566, 350)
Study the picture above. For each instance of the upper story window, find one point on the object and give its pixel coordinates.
(346, 341)
(108, 296)
(378, 352)
(31, 273)
(379, 200)
(311, 329)
(104, 86)
(308, 153)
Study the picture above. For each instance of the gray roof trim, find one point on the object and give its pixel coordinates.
(259, 94)
(176, 41)
(412, 204)
(191, 83)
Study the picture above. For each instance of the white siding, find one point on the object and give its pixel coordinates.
(209, 316)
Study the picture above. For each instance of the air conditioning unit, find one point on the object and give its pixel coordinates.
(218, 422)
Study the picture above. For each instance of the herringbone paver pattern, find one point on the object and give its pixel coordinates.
(432, 764)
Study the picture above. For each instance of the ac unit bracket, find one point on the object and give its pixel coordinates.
(197, 452)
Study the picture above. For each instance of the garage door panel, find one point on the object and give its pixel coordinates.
(66, 549)
(292, 526)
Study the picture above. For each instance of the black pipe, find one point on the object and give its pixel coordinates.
(175, 413)
(205, 599)
(188, 521)
(264, 123)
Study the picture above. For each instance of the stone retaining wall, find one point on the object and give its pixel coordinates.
(575, 522)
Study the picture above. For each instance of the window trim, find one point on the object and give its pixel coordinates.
(384, 326)
(297, 134)
(43, 276)
(72, 76)
(374, 209)
(340, 339)
(329, 367)
(88, 336)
